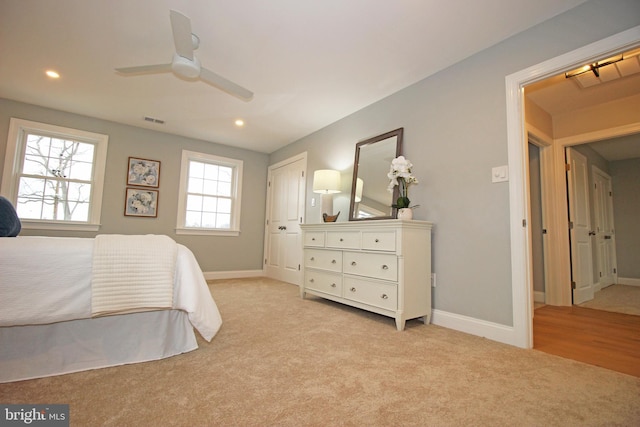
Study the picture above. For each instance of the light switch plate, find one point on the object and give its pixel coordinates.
(500, 174)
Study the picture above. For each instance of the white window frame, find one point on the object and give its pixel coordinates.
(236, 194)
(14, 156)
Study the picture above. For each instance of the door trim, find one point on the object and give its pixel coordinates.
(522, 330)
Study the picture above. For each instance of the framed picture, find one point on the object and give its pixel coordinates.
(143, 172)
(141, 202)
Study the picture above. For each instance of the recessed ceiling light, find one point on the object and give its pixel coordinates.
(52, 74)
(239, 123)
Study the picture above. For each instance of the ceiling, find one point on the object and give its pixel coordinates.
(309, 63)
(559, 95)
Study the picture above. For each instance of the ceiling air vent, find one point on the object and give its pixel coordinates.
(152, 120)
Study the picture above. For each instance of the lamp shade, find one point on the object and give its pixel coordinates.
(326, 181)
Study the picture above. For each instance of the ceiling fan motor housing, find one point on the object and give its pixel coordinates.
(184, 67)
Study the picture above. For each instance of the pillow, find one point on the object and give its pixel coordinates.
(9, 222)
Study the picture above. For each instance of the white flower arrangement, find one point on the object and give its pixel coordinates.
(400, 175)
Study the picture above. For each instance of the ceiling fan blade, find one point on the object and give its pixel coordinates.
(145, 69)
(182, 38)
(225, 85)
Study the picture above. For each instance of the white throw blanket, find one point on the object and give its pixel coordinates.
(132, 273)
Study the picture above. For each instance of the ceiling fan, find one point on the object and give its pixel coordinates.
(187, 66)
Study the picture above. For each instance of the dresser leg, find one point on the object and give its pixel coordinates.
(426, 319)
(400, 321)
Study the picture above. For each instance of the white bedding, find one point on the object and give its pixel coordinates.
(48, 279)
(132, 272)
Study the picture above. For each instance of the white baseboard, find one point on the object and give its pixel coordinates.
(538, 296)
(470, 325)
(240, 274)
(629, 281)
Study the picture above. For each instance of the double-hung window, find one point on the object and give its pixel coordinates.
(210, 194)
(54, 175)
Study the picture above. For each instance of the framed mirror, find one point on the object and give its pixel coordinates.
(370, 198)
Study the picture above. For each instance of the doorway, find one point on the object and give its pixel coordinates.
(538, 230)
(518, 184)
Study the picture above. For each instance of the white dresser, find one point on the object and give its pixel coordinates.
(383, 266)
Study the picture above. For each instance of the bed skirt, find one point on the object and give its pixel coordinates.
(28, 352)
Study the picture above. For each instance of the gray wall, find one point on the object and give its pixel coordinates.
(212, 252)
(625, 177)
(455, 132)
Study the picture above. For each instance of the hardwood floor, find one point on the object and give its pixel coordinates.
(601, 338)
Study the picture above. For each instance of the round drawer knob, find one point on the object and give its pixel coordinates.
(377, 240)
(333, 285)
(385, 267)
(384, 296)
(313, 239)
(312, 259)
(352, 289)
(333, 261)
(310, 280)
(353, 263)
(341, 239)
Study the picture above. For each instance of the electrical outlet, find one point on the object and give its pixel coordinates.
(433, 280)
(313, 202)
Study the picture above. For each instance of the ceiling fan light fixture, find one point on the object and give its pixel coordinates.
(185, 67)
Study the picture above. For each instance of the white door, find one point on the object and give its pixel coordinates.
(285, 213)
(604, 229)
(579, 224)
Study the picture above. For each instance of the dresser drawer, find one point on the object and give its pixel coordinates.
(322, 281)
(379, 266)
(372, 293)
(379, 241)
(314, 238)
(326, 260)
(343, 239)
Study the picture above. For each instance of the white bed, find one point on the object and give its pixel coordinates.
(49, 320)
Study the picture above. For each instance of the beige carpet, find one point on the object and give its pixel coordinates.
(282, 361)
(618, 298)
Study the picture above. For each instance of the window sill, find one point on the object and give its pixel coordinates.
(207, 232)
(67, 226)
